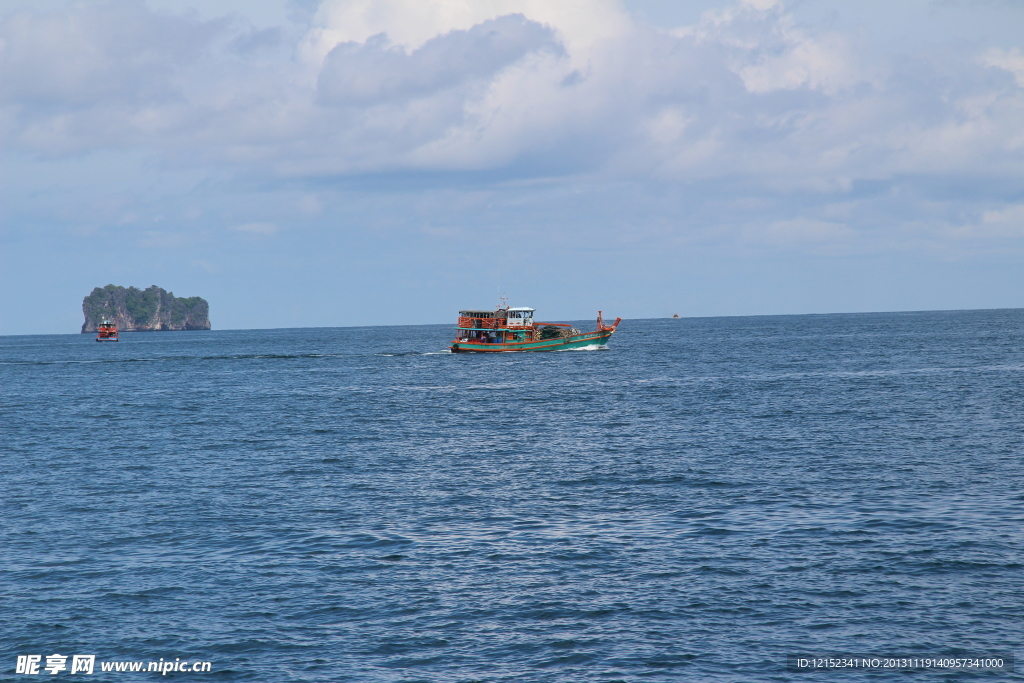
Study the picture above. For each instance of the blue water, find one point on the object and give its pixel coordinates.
(694, 503)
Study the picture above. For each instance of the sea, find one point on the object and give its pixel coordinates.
(706, 499)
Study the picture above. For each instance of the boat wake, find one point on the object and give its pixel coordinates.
(389, 354)
(589, 347)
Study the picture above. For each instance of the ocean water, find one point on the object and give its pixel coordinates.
(694, 503)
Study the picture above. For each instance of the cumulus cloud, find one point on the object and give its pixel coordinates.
(580, 23)
(376, 71)
(746, 96)
(1010, 60)
(763, 45)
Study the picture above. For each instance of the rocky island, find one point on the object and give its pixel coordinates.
(151, 309)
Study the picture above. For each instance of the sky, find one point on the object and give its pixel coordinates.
(308, 163)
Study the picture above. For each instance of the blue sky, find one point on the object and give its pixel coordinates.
(356, 162)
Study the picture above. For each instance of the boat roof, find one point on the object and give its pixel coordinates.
(477, 313)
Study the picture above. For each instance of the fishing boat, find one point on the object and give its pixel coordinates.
(106, 332)
(514, 329)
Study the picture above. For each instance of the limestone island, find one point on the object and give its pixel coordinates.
(138, 310)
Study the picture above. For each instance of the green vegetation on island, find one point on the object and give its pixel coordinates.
(151, 309)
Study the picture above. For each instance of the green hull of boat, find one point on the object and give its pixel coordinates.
(576, 341)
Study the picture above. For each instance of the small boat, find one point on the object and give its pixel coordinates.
(106, 332)
(513, 329)
(675, 315)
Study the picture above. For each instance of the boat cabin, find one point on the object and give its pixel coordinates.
(502, 325)
(106, 331)
(520, 317)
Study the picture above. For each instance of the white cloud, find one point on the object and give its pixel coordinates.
(817, 64)
(995, 224)
(376, 71)
(411, 23)
(746, 97)
(1010, 216)
(1011, 60)
(94, 52)
(667, 125)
